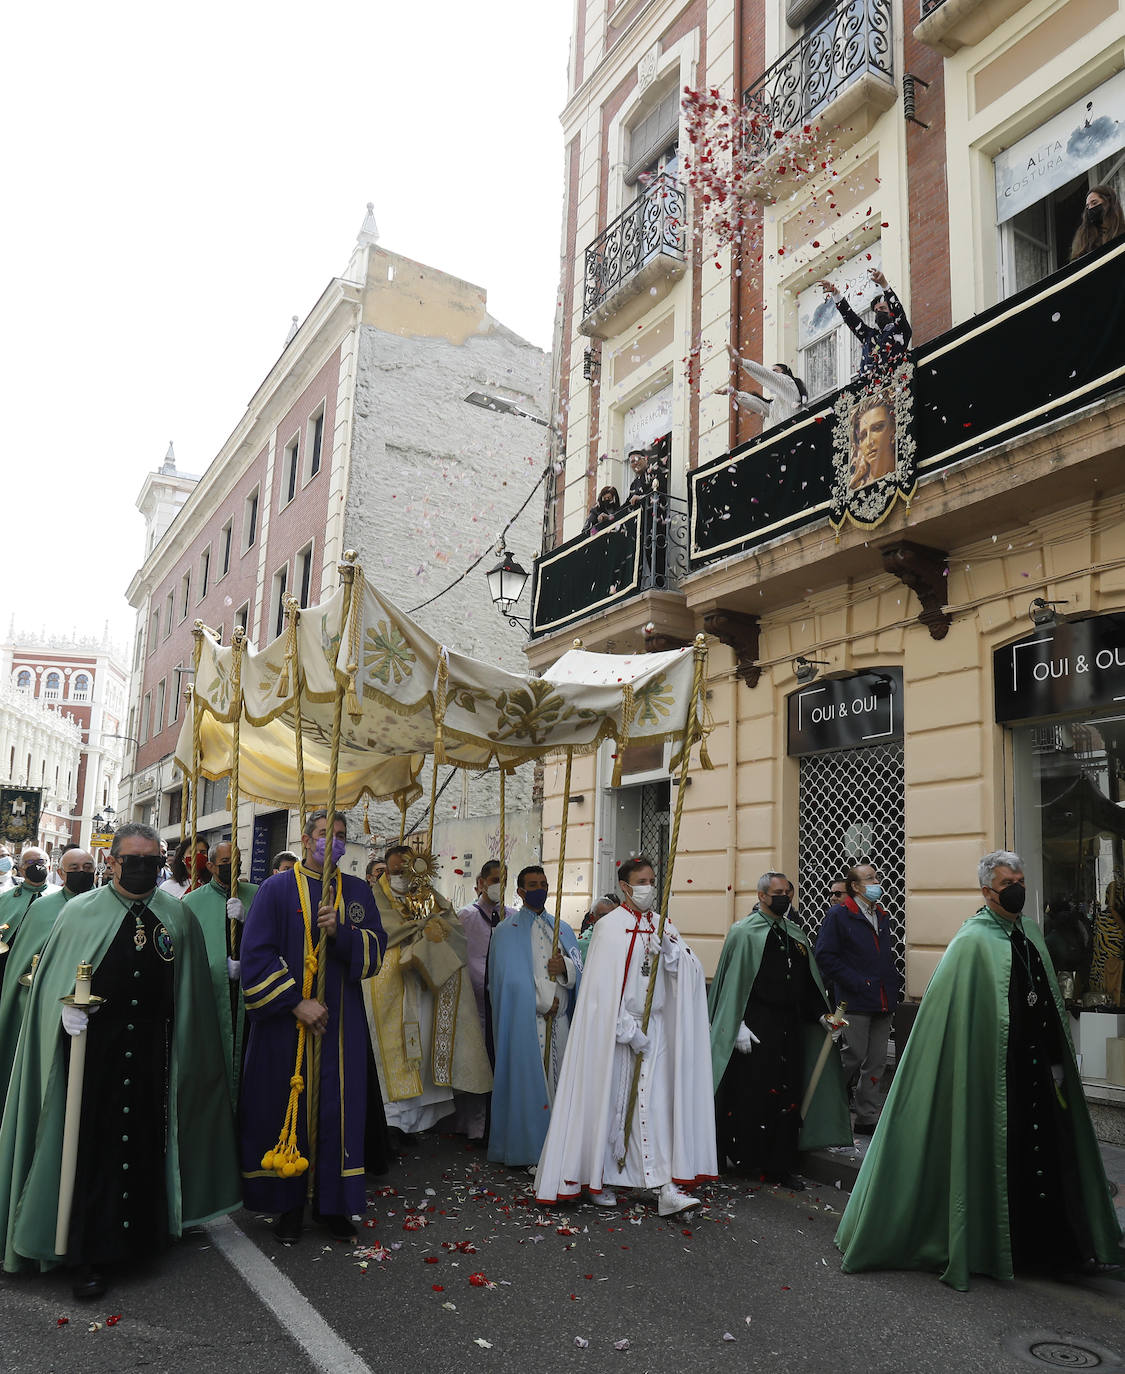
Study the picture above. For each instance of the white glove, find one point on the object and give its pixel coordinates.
(670, 950)
(629, 1033)
(1058, 1074)
(235, 910)
(234, 969)
(834, 1031)
(74, 1020)
(639, 1041)
(745, 1040)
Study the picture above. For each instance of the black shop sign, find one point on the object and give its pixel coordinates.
(846, 713)
(1058, 669)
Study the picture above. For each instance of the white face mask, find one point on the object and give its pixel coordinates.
(644, 896)
(494, 893)
(400, 883)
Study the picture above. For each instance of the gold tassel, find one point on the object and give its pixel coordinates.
(355, 635)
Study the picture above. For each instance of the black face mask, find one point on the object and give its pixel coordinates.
(35, 873)
(779, 905)
(79, 881)
(139, 873)
(1095, 214)
(223, 876)
(1012, 898)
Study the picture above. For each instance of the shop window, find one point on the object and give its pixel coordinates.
(828, 353)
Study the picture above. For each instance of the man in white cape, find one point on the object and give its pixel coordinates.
(671, 1145)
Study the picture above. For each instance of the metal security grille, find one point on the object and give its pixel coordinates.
(654, 829)
(852, 810)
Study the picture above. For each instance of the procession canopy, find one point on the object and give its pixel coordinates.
(407, 696)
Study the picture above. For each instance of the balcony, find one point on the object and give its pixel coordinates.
(1031, 363)
(949, 25)
(644, 552)
(642, 249)
(839, 75)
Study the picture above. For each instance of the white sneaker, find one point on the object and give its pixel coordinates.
(606, 1198)
(672, 1200)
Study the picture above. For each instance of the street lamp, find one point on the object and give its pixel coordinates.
(485, 400)
(506, 582)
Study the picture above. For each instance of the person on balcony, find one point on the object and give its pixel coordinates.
(604, 512)
(1101, 222)
(885, 342)
(787, 394)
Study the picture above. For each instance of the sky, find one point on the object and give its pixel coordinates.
(181, 180)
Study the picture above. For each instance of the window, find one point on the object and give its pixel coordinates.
(215, 795)
(23, 681)
(224, 548)
(250, 521)
(304, 574)
(153, 631)
(80, 687)
(242, 616)
(52, 687)
(316, 441)
(289, 472)
(161, 698)
(169, 611)
(654, 135)
(185, 595)
(204, 571)
(177, 689)
(175, 808)
(828, 353)
(277, 600)
(146, 716)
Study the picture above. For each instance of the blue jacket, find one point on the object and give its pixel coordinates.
(859, 964)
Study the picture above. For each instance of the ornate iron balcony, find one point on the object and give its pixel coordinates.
(851, 42)
(651, 226)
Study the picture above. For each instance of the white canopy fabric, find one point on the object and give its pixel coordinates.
(407, 696)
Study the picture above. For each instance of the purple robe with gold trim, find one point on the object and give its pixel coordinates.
(273, 953)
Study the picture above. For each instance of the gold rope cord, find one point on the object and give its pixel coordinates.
(558, 899)
(293, 669)
(196, 748)
(347, 571)
(692, 726)
(503, 838)
(185, 783)
(238, 643)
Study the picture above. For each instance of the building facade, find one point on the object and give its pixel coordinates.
(358, 438)
(882, 687)
(41, 747)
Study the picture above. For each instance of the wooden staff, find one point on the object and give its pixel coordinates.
(558, 900)
(691, 724)
(196, 749)
(238, 644)
(82, 999)
(836, 1020)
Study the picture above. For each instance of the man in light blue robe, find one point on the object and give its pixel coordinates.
(529, 988)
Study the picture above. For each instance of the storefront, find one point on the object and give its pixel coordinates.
(1060, 691)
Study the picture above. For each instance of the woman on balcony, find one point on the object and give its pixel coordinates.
(604, 512)
(1101, 222)
(787, 393)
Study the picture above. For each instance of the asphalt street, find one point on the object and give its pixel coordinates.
(456, 1268)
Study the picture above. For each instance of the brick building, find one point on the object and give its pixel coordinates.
(953, 144)
(358, 437)
(83, 679)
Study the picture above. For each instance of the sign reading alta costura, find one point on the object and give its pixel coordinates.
(846, 713)
(1071, 666)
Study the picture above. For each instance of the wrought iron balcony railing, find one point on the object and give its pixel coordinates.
(851, 42)
(645, 550)
(652, 226)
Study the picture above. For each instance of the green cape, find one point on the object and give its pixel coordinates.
(933, 1190)
(33, 931)
(201, 1163)
(209, 907)
(828, 1121)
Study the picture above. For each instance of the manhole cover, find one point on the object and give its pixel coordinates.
(1063, 1355)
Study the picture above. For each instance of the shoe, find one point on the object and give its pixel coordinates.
(671, 1200)
(88, 1285)
(865, 1127)
(289, 1226)
(339, 1227)
(606, 1198)
(790, 1181)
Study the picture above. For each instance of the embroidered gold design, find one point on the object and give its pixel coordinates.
(445, 1029)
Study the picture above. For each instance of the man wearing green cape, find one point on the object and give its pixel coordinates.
(18, 901)
(220, 912)
(768, 1012)
(984, 1160)
(76, 868)
(156, 1149)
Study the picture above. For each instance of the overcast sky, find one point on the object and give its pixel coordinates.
(180, 181)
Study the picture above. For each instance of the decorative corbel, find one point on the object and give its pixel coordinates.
(657, 642)
(742, 633)
(924, 572)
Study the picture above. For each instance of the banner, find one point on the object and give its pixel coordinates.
(19, 814)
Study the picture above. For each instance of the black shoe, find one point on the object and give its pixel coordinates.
(865, 1127)
(338, 1227)
(790, 1181)
(289, 1226)
(88, 1285)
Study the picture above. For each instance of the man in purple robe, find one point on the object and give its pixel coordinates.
(274, 949)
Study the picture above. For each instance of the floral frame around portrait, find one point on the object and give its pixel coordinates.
(870, 505)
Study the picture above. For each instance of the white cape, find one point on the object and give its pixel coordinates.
(673, 1133)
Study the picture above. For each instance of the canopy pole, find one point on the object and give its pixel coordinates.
(347, 570)
(234, 936)
(692, 726)
(503, 836)
(433, 807)
(558, 899)
(292, 653)
(196, 728)
(185, 793)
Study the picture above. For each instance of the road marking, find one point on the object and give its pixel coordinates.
(290, 1307)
